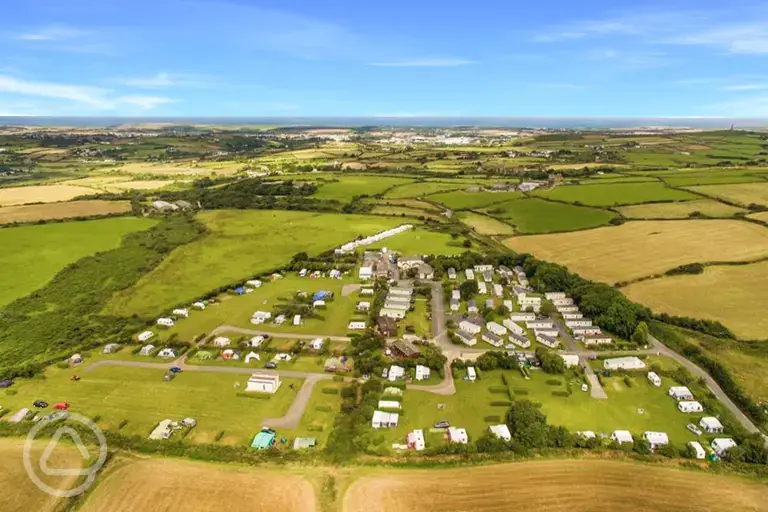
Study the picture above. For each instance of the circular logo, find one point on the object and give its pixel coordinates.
(41, 465)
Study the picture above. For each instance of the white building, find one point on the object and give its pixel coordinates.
(457, 435)
(351, 246)
(700, 453)
(512, 326)
(471, 373)
(567, 309)
(455, 294)
(356, 326)
(721, 445)
(482, 288)
(624, 363)
(597, 339)
(586, 434)
(570, 360)
(522, 316)
(167, 322)
(578, 322)
(483, 268)
(680, 393)
(492, 339)
(573, 316)
(383, 419)
(470, 274)
(519, 340)
(497, 329)
(296, 319)
(563, 301)
(145, 335)
(318, 303)
(365, 272)
(389, 404)
(455, 305)
(397, 314)
(554, 295)
(540, 323)
(181, 312)
(422, 372)
(396, 373)
(366, 291)
(264, 382)
(466, 338)
(470, 327)
(622, 436)
(501, 431)
(549, 341)
(508, 304)
(580, 332)
(415, 440)
(452, 273)
(654, 379)
(711, 425)
(498, 290)
(656, 439)
(690, 406)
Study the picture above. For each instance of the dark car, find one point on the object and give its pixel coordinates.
(175, 369)
(442, 424)
(41, 404)
(270, 366)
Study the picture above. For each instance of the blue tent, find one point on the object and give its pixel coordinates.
(322, 294)
(240, 291)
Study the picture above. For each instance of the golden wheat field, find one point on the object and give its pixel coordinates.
(731, 294)
(679, 210)
(555, 486)
(66, 210)
(762, 216)
(41, 194)
(17, 491)
(638, 249)
(741, 193)
(176, 485)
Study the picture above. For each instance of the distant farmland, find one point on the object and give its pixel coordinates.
(679, 210)
(741, 193)
(41, 194)
(533, 215)
(51, 211)
(615, 194)
(461, 200)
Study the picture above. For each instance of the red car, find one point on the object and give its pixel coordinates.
(62, 406)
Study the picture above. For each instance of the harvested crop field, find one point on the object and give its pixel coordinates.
(615, 194)
(553, 486)
(41, 194)
(486, 225)
(731, 294)
(643, 248)
(741, 193)
(762, 216)
(679, 210)
(19, 492)
(172, 485)
(50, 211)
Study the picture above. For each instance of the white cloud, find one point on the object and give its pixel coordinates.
(51, 33)
(164, 80)
(746, 87)
(424, 63)
(93, 98)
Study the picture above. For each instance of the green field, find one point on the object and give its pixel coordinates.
(613, 195)
(533, 215)
(679, 209)
(34, 254)
(422, 241)
(421, 189)
(739, 193)
(485, 225)
(461, 200)
(348, 187)
(240, 244)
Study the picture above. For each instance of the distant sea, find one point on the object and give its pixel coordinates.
(501, 122)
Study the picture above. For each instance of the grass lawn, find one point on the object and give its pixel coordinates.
(140, 396)
(421, 189)
(733, 295)
(637, 249)
(679, 210)
(239, 244)
(237, 310)
(37, 253)
(485, 225)
(533, 215)
(740, 193)
(615, 194)
(418, 319)
(348, 187)
(461, 200)
(422, 241)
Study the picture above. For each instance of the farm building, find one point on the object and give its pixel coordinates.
(302, 443)
(383, 419)
(221, 341)
(624, 363)
(497, 329)
(406, 349)
(501, 431)
(146, 350)
(549, 341)
(167, 322)
(356, 326)
(396, 373)
(458, 435)
(721, 445)
(167, 353)
(654, 379)
(519, 340)
(656, 439)
(263, 382)
(570, 360)
(680, 393)
(145, 336)
(415, 440)
(711, 425)
(422, 372)
(512, 326)
(471, 373)
(466, 337)
(264, 439)
(470, 327)
(690, 406)
(492, 339)
(622, 436)
(700, 453)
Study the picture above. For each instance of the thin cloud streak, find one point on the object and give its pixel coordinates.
(424, 63)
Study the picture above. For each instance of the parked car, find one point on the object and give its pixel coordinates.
(442, 424)
(40, 404)
(384, 373)
(61, 406)
(175, 369)
(693, 428)
(270, 366)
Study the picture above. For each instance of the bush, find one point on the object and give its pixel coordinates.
(323, 408)
(554, 382)
(501, 403)
(560, 393)
(122, 424)
(253, 396)
(521, 392)
(315, 428)
(331, 391)
(497, 389)
(219, 436)
(628, 381)
(11, 392)
(492, 419)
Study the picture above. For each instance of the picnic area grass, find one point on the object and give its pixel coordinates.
(141, 397)
(614, 194)
(679, 209)
(485, 225)
(348, 186)
(34, 254)
(462, 200)
(534, 215)
(638, 249)
(739, 193)
(238, 245)
(733, 295)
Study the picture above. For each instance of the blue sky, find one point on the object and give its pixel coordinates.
(394, 58)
